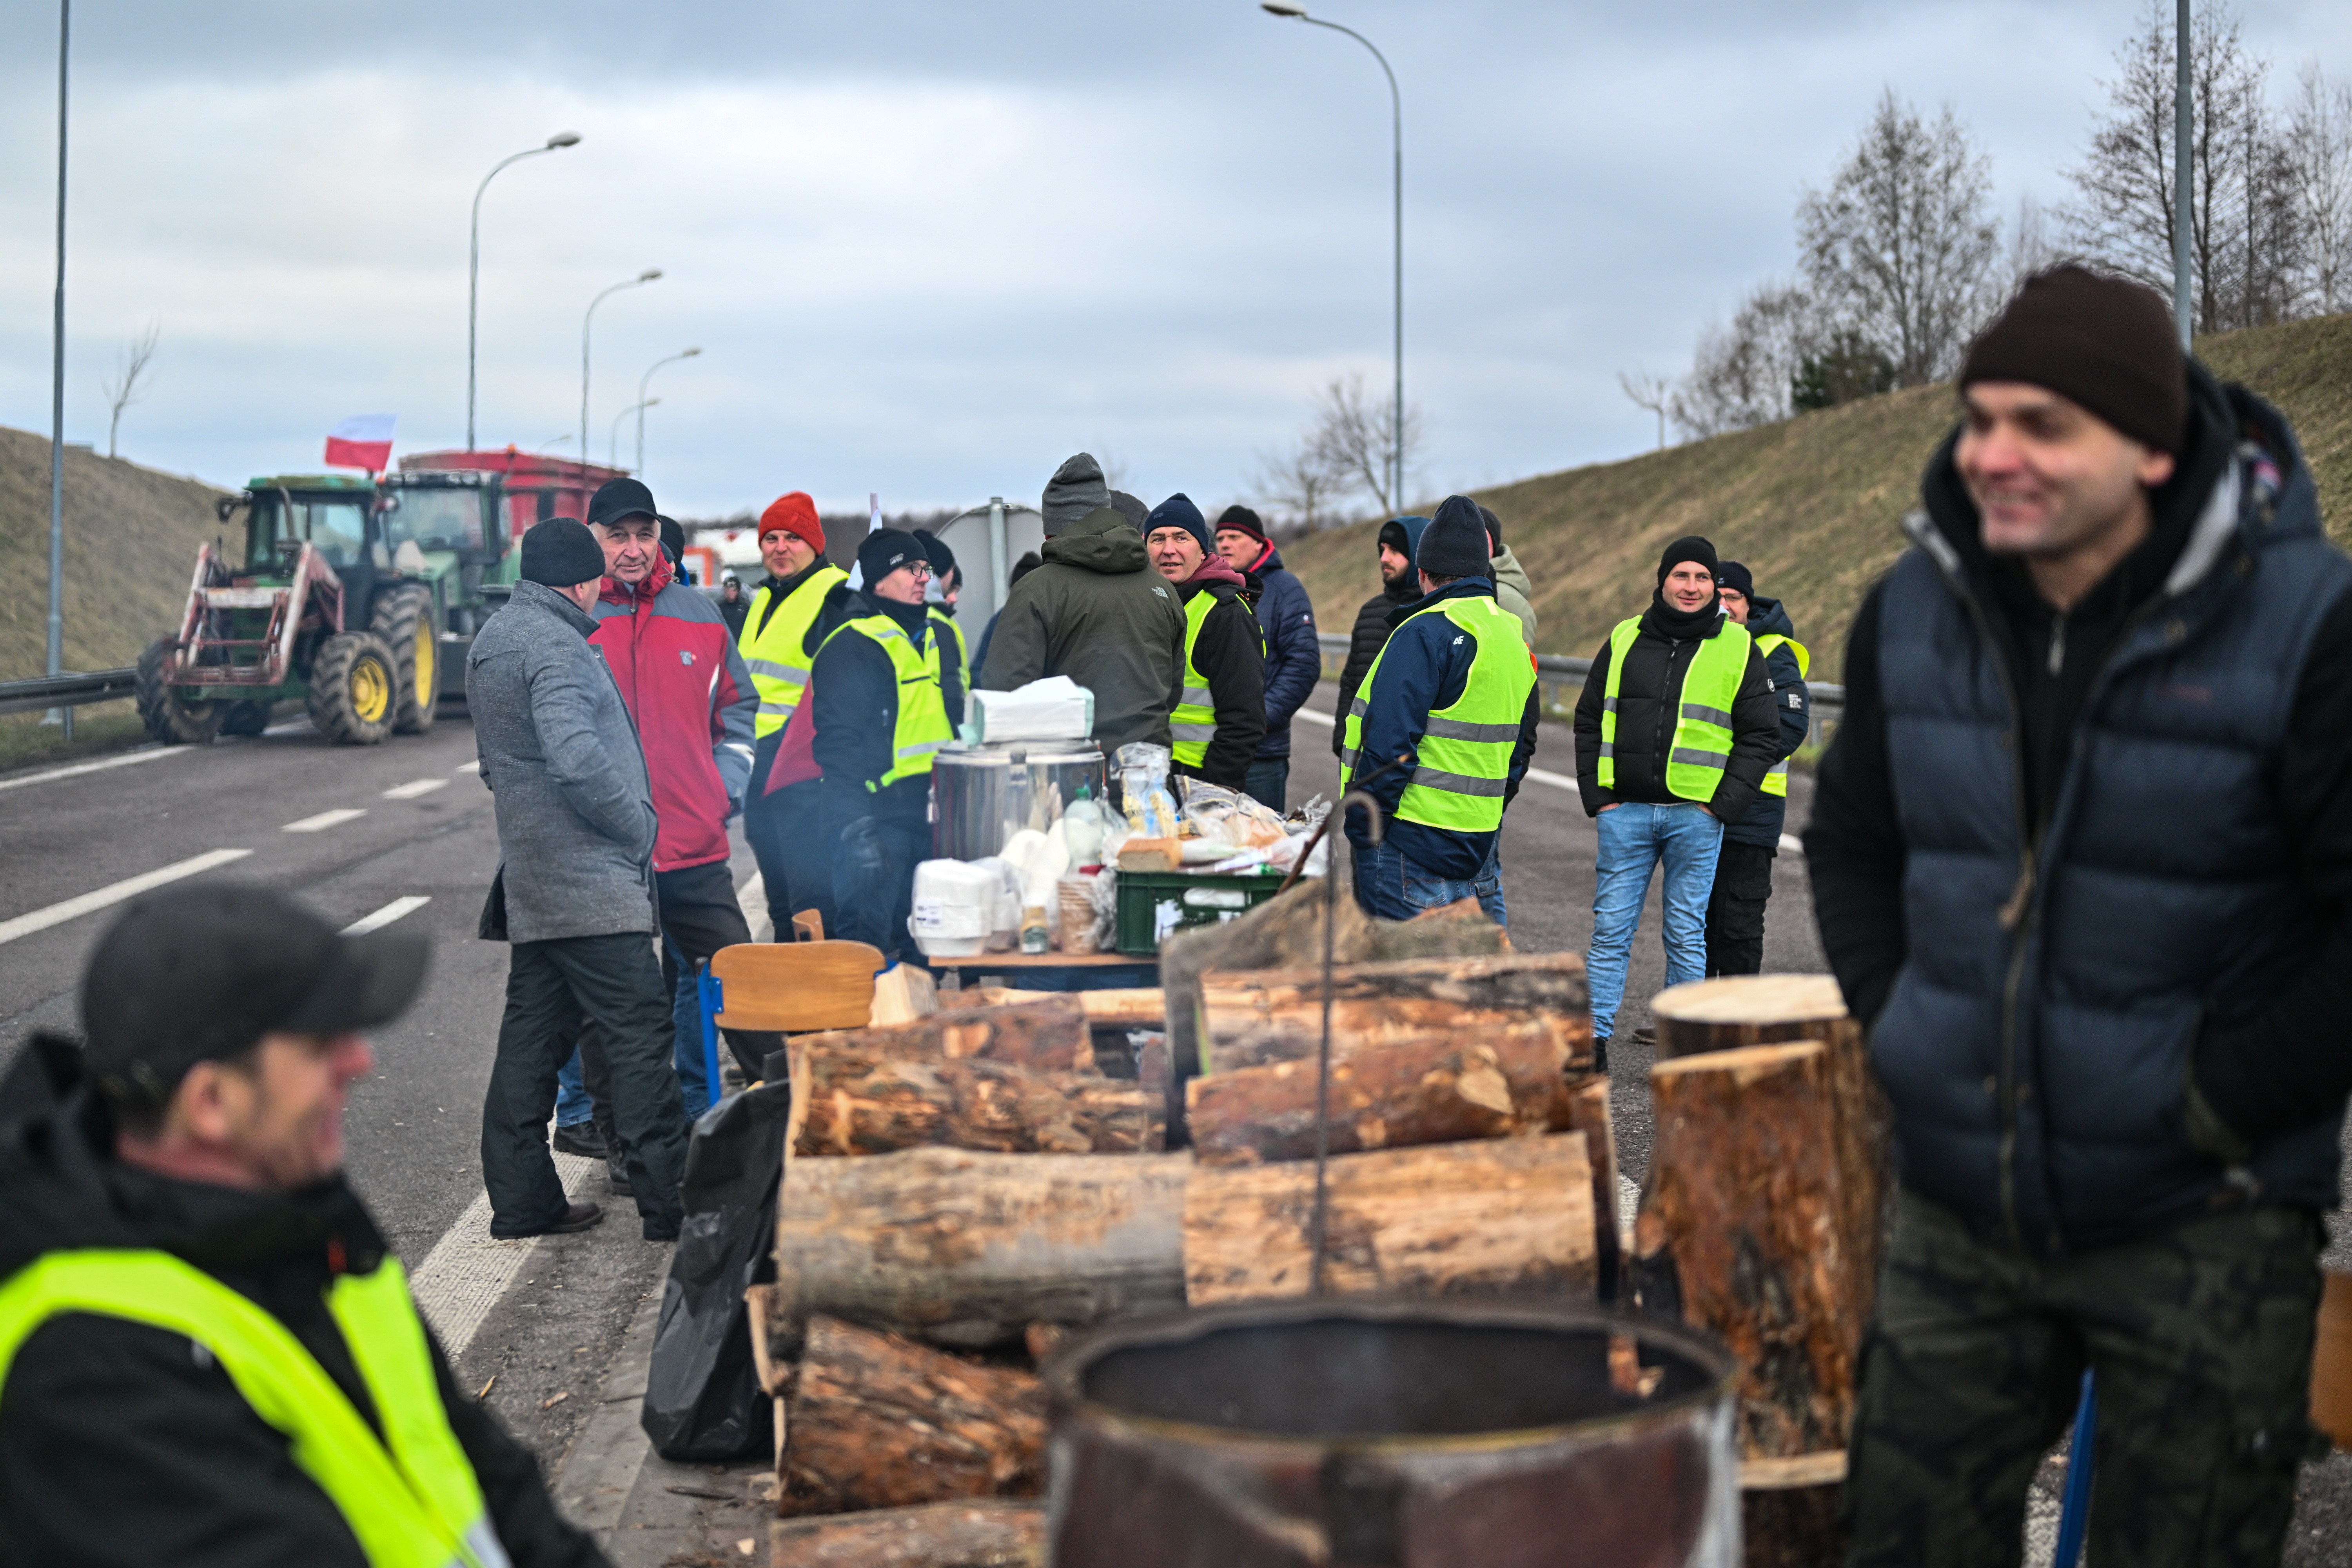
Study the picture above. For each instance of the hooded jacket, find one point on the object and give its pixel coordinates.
(1097, 611)
(1649, 703)
(1761, 823)
(1373, 619)
(2067, 866)
(1229, 654)
(1512, 590)
(852, 712)
(121, 1444)
(691, 697)
(1294, 659)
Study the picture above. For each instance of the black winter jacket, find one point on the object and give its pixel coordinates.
(854, 703)
(1365, 640)
(1761, 823)
(1649, 699)
(1294, 659)
(120, 1445)
(1229, 654)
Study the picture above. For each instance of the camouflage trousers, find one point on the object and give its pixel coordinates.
(2200, 1336)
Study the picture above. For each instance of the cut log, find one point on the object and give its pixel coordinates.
(878, 1421)
(1050, 1034)
(856, 1100)
(1744, 1198)
(986, 1534)
(968, 1250)
(1141, 1008)
(1383, 1096)
(1274, 1015)
(1506, 1216)
(1588, 1113)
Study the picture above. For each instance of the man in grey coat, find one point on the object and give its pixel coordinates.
(574, 894)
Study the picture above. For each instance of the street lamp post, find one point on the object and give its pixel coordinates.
(613, 435)
(1295, 12)
(562, 138)
(56, 626)
(2182, 190)
(644, 402)
(586, 322)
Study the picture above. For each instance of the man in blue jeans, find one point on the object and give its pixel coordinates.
(1454, 690)
(1675, 732)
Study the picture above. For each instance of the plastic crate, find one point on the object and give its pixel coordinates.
(1153, 903)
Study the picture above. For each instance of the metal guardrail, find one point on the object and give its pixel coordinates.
(68, 690)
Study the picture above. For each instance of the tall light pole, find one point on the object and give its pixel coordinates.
(644, 402)
(57, 390)
(2183, 130)
(586, 322)
(1292, 10)
(613, 435)
(562, 138)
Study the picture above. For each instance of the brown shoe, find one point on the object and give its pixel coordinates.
(1645, 1036)
(577, 1216)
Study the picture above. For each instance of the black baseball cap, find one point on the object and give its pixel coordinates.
(617, 498)
(201, 974)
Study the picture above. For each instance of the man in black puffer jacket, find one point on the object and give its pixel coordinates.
(1743, 871)
(1399, 538)
(2082, 853)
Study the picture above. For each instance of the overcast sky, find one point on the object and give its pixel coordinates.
(929, 248)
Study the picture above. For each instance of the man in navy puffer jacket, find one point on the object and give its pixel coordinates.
(1294, 659)
(2081, 856)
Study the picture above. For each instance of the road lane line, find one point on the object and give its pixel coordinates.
(389, 913)
(290, 726)
(413, 788)
(145, 755)
(325, 820)
(475, 765)
(1309, 714)
(754, 890)
(469, 1270)
(1792, 844)
(57, 914)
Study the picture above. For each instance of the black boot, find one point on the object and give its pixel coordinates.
(1600, 1055)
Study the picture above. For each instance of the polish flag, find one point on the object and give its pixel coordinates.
(363, 441)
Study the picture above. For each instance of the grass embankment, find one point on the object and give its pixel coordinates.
(1810, 504)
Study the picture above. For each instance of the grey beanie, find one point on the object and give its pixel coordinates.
(1076, 490)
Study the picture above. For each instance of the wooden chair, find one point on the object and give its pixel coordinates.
(2331, 1361)
(791, 986)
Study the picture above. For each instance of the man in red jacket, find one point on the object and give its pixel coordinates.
(692, 698)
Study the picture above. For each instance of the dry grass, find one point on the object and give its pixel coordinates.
(130, 543)
(1810, 505)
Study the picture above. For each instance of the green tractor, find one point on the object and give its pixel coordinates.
(336, 606)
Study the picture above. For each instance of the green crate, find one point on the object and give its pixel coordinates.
(1152, 903)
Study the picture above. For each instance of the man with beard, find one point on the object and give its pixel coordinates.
(1398, 587)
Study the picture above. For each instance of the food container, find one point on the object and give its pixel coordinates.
(981, 795)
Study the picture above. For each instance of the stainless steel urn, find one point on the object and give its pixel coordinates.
(981, 795)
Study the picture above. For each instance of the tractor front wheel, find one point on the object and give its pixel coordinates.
(403, 619)
(170, 717)
(245, 719)
(354, 688)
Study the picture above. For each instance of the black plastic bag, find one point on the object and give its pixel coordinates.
(703, 1399)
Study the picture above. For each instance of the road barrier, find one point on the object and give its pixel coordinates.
(69, 690)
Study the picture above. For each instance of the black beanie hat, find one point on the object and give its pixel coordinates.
(1132, 508)
(617, 498)
(1455, 543)
(1242, 520)
(885, 551)
(2107, 343)
(1494, 529)
(673, 538)
(1731, 574)
(1690, 547)
(936, 551)
(561, 552)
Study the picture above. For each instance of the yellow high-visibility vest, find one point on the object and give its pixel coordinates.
(1776, 779)
(779, 665)
(1701, 748)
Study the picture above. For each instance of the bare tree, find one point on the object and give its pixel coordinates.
(1351, 437)
(1742, 376)
(1900, 247)
(1296, 484)
(2319, 154)
(1653, 393)
(124, 388)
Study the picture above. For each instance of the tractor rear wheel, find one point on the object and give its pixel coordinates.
(403, 619)
(354, 687)
(170, 718)
(247, 718)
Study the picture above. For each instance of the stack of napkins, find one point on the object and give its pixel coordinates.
(1055, 708)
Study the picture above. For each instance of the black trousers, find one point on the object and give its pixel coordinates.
(625, 1060)
(1734, 909)
(786, 832)
(700, 915)
(874, 881)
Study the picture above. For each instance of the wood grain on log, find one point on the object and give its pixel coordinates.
(1383, 1096)
(1503, 1217)
(1050, 1034)
(859, 1100)
(1745, 1196)
(970, 1250)
(1588, 1113)
(991, 1533)
(1137, 1008)
(878, 1421)
(1256, 1018)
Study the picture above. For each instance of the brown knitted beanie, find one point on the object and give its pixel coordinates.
(2105, 342)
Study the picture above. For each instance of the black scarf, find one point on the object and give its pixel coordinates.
(1662, 619)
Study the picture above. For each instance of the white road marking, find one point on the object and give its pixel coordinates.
(389, 913)
(325, 820)
(145, 754)
(290, 726)
(472, 767)
(1792, 844)
(1312, 717)
(413, 788)
(1545, 776)
(754, 890)
(57, 914)
(468, 1269)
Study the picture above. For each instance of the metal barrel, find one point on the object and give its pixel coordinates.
(1379, 1433)
(981, 795)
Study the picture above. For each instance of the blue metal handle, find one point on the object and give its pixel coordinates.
(712, 992)
(2074, 1512)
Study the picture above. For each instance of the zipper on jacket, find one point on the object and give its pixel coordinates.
(2058, 642)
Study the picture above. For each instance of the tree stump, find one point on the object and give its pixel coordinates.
(984, 1534)
(852, 1099)
(1051, 1034)
(968, 1250)
(1501, 1217)
(878, 1421)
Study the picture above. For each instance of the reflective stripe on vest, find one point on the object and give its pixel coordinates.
(945, 630)
(1701, 748)
(1193, 722)
(777, 661)
(1464, 762)
(923, 726)
(410, 1498)
(1776, 777)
